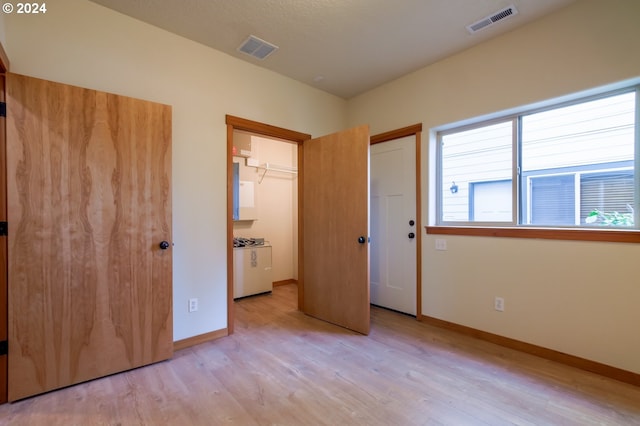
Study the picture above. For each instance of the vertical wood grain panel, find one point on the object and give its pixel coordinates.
(3, 242)
(335, 213)
(301, 254)
(89, 201)
(419, 223)
(230, 311)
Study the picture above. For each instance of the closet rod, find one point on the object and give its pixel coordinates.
(268, 167)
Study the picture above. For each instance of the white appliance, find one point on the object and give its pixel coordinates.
(252, 270)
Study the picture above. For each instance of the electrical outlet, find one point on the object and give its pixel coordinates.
(498, 304)
(193, 305)
(441, 244)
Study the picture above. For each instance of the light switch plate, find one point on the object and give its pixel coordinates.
(441, 244)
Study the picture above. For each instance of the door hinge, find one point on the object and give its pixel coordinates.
(4, 347)
(4, 229)
(3, 109)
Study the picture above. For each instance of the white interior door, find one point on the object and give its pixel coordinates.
(393, 225)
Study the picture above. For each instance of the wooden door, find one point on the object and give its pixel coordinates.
(3, 245)
(89, 195)
(335, 219)
(394, 225)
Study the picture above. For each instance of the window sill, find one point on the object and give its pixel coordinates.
(614, 236)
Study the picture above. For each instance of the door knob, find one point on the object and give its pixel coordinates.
(164, 245)
(412, 235)
(362, 240)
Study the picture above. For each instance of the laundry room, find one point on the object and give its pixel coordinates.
(265, 213)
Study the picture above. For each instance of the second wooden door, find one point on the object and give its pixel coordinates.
(335, 218)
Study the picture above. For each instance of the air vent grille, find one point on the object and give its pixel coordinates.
(492, 19)
(257, 47)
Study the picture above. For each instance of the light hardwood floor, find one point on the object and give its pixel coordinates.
(282, 367)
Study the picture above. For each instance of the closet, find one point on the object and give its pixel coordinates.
(264, 213)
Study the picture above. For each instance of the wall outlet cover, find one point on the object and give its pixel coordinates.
(193, 305)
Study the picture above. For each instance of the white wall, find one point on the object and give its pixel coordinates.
(80, 43)
(579, 298)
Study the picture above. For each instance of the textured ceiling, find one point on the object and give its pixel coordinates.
(344, 47)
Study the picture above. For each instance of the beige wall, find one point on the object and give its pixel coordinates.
(3, 38)
(575, 297)
(78, 42)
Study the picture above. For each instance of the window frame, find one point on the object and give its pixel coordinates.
(516, 228)
(439, 180)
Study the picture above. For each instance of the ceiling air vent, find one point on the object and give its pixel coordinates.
(492, 19)
(257, 48)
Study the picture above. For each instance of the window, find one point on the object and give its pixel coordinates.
(571, 165)
(471, 157)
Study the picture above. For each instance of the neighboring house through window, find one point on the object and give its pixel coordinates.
(575, 165)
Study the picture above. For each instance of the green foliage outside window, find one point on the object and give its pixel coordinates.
(611, 218)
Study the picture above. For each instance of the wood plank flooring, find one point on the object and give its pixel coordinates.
(284, 368)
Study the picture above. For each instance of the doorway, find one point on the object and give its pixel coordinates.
(264, 213)
(235, 124)
(324, 164)
(396, 272)
(393, 225)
